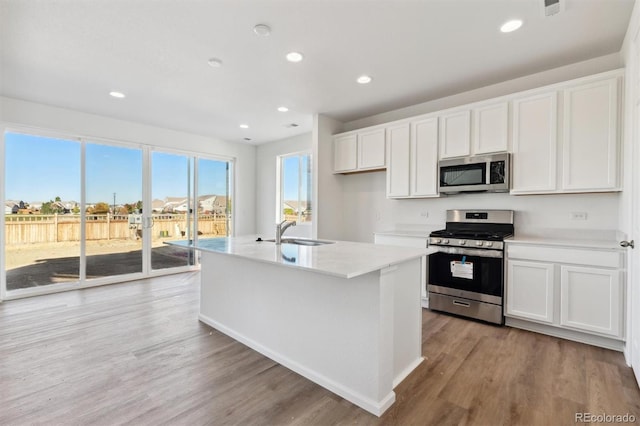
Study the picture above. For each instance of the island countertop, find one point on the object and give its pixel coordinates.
(343, 259)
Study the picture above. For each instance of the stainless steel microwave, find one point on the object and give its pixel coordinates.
(489, 173)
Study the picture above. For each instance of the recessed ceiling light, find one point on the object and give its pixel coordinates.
(512, 25)
(118, 95)
(283, 109)
(364, 79)
(262, 30)
(244, 126)
(294, 57)
(215, 62)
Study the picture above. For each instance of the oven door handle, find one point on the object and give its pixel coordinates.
(463, 304)
(498, 254)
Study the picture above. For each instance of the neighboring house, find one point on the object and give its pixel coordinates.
(206, 203)
(61, 207)
(296, 206)
(10, 207)
(216, 204)
(175, 204)
(181, 208)
(70, 205)
(157, 206)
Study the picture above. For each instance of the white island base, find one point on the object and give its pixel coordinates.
(358, 337)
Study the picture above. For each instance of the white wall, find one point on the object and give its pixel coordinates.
(544, 78)
(367, 210)
(74, 123)
(267, 182)
(327, 194)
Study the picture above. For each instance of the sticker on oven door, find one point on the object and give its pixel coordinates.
(462, 269)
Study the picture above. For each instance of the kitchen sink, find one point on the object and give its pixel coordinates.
(302, 241)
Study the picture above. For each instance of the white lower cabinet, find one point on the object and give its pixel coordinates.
(591, 299)
(530, 290)
(575, 291)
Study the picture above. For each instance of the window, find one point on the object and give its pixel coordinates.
(295, 187)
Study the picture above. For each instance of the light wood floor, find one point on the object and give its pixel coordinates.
(135, 353)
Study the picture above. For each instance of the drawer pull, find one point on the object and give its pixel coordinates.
(463, 304)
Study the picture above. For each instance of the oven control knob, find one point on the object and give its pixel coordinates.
(462, 242)
(489, 243)
(479, 243)
(445, 241)
(436, 241)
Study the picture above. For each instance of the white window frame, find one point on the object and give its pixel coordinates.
(280, 185)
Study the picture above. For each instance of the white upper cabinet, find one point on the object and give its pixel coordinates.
(354, 152)
(455, 134)
(570, 149)
(371, 149)
(534, 150)
(398, 155)
(424, 158)
(491, 128)
(563, 138)
(412, 152)
(590, 137)
(345, 153)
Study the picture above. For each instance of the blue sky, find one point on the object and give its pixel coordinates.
(40, 169)
(291, 169)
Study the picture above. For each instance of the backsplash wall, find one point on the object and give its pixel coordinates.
(367, 210)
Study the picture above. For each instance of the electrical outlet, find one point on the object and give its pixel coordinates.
(578, 215)
(424, 215)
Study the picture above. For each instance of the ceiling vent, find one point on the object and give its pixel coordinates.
(291, 125)
(551, 7)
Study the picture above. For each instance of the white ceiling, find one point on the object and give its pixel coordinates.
(72, 53)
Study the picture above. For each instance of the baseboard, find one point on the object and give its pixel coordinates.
(375, 407)
(576, 336)
(404, 373)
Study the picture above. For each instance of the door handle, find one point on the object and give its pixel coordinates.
(627, 244)
(463, 304)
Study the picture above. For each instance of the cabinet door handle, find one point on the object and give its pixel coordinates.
(463, 304)
(627, 244)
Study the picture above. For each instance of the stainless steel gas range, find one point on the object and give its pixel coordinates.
(466, 274)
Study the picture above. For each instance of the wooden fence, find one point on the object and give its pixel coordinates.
(26, 229)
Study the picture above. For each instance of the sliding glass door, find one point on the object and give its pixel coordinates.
(42, 211)
(190, 201)
(114, 225)
(84, 212)
(172, 209)
(214, 198)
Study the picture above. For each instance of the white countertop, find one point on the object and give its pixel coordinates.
(578, 238)
(418, 232)
(344, 259)
(404, 233)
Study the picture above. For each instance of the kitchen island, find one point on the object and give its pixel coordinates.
(345, 315)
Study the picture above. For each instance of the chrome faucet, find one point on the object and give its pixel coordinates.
(281, 227)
